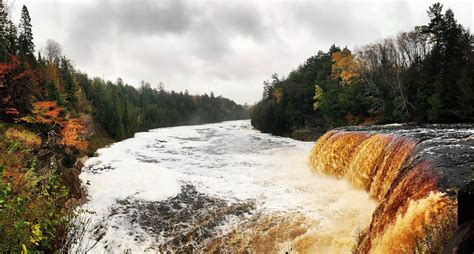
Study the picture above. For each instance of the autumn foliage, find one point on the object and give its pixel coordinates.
(278, 94)
(26, 136)
(45, 112)
(425, 75)
(70, 134)
(15, 84)
(32, 216)
(344, 66)
(40, 137)
(50, 115)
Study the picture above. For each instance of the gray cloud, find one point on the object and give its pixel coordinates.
(208, 28)
(139, 18)
(335, 22)
(228, 47)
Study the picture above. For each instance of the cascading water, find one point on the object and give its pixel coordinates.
(218, 187)
(412, 172)
(225, 187)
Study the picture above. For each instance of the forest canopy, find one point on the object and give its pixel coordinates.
(119, 108)
(424, 75)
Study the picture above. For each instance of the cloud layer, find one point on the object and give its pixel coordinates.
(228, 47)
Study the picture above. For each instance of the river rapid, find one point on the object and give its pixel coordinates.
(217, 187)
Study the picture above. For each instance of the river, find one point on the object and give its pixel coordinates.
(216, 187)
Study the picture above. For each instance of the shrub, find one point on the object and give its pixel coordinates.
(32, 212)
(25, 136)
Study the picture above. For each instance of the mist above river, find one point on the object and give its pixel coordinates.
(221, 186)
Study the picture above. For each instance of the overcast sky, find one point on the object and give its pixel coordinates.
(228, 47)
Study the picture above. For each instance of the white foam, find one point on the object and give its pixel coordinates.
(130, 179)
(227, 160)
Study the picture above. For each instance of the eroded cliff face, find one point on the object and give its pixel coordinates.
(412, 172)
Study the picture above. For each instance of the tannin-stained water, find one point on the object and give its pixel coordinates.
(411, 171)
(222, 187)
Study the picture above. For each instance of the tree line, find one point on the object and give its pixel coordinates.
(125, 110)
(120, 108)
(424, 75)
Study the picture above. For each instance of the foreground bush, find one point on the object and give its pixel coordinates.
(32, 198)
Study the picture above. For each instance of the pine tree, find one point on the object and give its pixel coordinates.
(3, 32)
(25, 39)
(11, 38)
(466, 98)
(435, 26)
(66, 72)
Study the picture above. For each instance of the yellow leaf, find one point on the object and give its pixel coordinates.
(344, 66)
(24, 250)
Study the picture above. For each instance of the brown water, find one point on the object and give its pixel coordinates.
(222, 187)
(412, 173)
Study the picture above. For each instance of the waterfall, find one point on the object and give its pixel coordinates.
(415, 212)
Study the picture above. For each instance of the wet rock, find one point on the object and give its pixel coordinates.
(449, 148)
(462, 241)
(307, 134)
(182, 224)
(466, 204)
